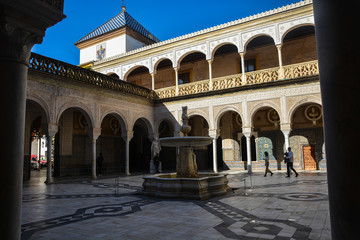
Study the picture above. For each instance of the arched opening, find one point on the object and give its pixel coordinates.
(35, 142)
(299, 45)
(165, 74)
(230, 125)
(167, 154)
(200, 127)
(72, 147)
(114, 75)
(307, 137)
(268, 138)
(111, 144)
(140, 76)
(140, 148)
(193, 68)
(226, 61)
(261, 53)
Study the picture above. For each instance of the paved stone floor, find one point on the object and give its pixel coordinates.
(80, 208)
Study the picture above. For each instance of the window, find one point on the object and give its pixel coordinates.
(184, 77)
(250, 65)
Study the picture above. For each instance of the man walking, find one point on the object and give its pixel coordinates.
(289, 162)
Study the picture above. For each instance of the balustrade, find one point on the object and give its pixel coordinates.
(62, 69)
(304, 69)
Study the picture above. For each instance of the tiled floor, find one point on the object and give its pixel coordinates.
(80, 208)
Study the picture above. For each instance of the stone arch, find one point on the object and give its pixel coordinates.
(160, 60)
(78, 106)
(289, 28)
(113, 74)
(187, 54)
(42, 103)
(303, 101)
(247, 41)
(148, 124)
(195, 112)
(119, 116)
(175, 125)
(221, 45)
(262, 105)
(223, 111)
(127, 73)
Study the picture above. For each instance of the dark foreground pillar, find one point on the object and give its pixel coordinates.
(339, 62)
(22, 24)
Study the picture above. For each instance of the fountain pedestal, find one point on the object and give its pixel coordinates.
(186, 182)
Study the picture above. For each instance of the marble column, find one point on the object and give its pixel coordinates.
(22, 24)
(50, 142)
(286, 136)
(127, 136)
(248, 151)
(96, 132)
(210, 74)
(176, 81)
(338, 55)
(281, 69)
(152, 81)
(214, 134)
(242, 56)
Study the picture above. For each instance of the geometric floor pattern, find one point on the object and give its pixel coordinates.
(113, 207)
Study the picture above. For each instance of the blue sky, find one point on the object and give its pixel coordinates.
(165, 19)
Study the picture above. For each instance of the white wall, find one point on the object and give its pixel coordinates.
(114, 47)
(132, 43)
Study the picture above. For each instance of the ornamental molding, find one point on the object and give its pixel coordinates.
(285, 27)
(180, 54)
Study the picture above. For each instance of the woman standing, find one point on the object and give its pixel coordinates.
(266, 158)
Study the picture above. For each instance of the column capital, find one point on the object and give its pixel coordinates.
(285, 127)
(214, 133)
(209, 61)
(52, 129)
(127, 135)
(23, 24)
(242, 54)
(279, 46)
(96, 132)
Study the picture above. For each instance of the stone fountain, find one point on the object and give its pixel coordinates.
(186, 182)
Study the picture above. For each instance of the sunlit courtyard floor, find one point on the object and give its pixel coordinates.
(114, 208)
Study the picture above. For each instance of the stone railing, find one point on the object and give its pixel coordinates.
(298, 70)
(301, 70)
(74, 73)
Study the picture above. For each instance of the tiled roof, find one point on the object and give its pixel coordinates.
(119, 21)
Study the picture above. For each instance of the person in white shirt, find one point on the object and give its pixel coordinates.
(289, 163)
(266, 158)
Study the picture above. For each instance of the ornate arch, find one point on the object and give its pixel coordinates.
(126, 74)
(42, 103)
(79, 106)
(160, 60)
(119, 115)
(285, 28)
(180, 55)
(219, 45)
(304, 100)
(223, 111)
(148, 124)
(262, 105)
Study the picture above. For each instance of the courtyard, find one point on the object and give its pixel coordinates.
(113, 207)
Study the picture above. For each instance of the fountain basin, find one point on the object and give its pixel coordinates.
(187, 141)
(205, 186)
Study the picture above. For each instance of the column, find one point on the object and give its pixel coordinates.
(50, 142)
(153, 81)
(210, 75)
(242, 55)
(214, 134)
(176, 82)
(286, 136)
(17, 37)
(128, 136)
(281, 69)
(248, 151)
(338, 55)
(93, 164)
